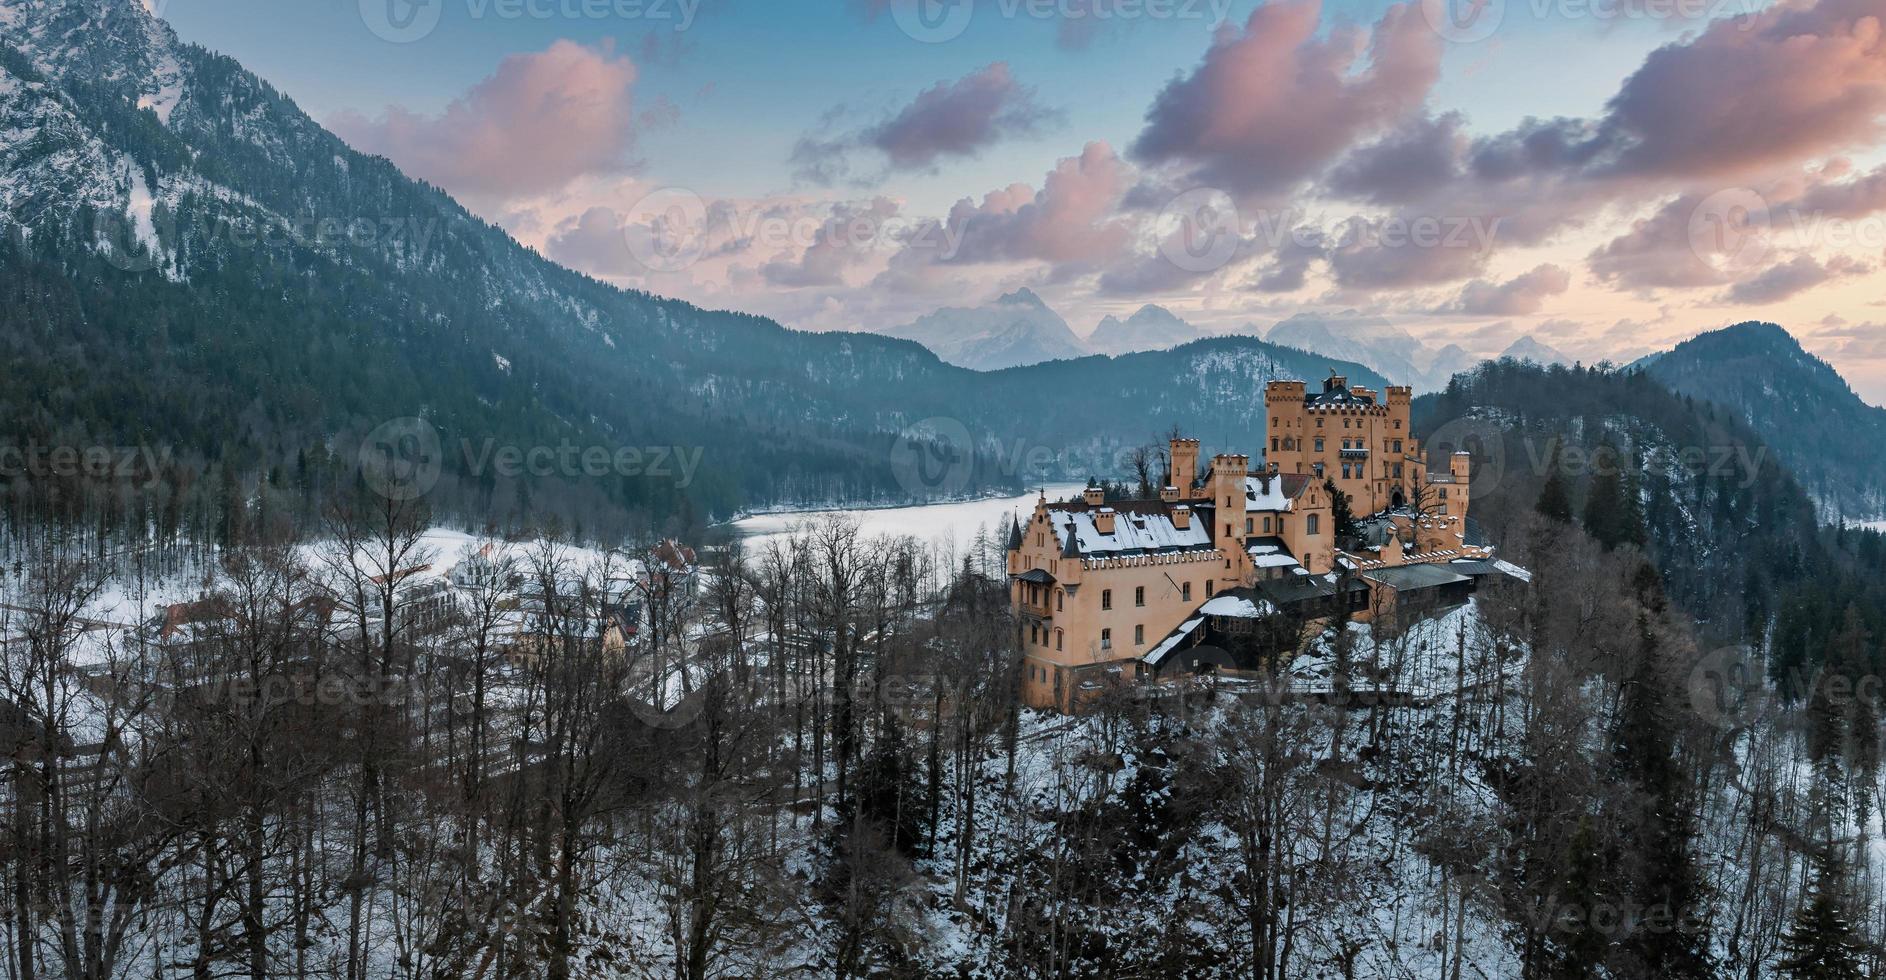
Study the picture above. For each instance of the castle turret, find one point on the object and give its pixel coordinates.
(1183, 456)
(1225, 487)
(1093, 496)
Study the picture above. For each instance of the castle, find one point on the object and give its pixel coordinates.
(1110, 591)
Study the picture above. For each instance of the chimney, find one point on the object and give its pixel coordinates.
(1183, 454)
(1169, 494)
(1182, 517)
(1103, 521)
(1094, 496)
(1461, 466)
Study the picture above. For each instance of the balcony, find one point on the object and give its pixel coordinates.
(1358, 453)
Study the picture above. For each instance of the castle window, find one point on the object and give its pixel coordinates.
(1208, 586)
(1185, 591)
(1034, 633)
(1106, 598)
(1397, 423)
(1060, 600)
(1319, 423)
(1273, 445)
(1319, 444)
(1443, 493)
(1313, 524)
(1057, 639)
(1397, 471)
(1139, 596)
(1250, 524)
(1106, 639)
(1267, 525)
(1139, 636)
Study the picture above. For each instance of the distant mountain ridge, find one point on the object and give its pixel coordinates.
(1015, 330)
(1799, 404)
(1149, 328)
(158, 209)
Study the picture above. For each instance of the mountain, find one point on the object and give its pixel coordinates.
(1371, 340)
(1150, 328)
(1731, 529)
(250, 299)
(1528, 348)
(1014, 330)
(1447, 362)
(1800, 405)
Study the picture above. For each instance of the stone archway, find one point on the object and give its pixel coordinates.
(1397, 499)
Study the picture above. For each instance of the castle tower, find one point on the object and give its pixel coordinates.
(1183, 456)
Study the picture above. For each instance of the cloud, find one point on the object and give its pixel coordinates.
(1797, 80)
(1791, 278)
(537, 123)
(1272, 105)
(1071, 220)
(842, 241)
(1522, 295)
(959, 119)
(1419, 157)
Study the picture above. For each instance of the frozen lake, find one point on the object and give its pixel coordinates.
(952, 524)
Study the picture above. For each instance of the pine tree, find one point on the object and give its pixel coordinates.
(1340, 515)
(1665, 881)
(1555, 501)
(1823, 944)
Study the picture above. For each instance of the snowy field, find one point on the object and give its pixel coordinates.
(952, 524)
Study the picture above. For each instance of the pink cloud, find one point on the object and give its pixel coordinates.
(537, 123)
(1272, 105)
(1070, 220)
(959, 119)
(1791, 278)
(1794, 81)
(1523, 295)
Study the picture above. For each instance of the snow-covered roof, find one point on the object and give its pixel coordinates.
(1273, 492)
(1158, 654)
(1135, 532)
(1241, 604)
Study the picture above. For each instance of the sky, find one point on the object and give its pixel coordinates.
(1607, 176)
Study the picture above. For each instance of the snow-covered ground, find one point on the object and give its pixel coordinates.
(953, 524)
